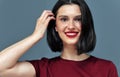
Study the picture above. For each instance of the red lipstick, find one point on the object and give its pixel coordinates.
(71, 34)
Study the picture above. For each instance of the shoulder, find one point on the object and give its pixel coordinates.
(42, 64)
(106, 66)
(98, 59)
(103, 62)
(44, 61)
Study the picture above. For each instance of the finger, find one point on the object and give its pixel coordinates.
(45, 14)
(49, 18)
(45, 18)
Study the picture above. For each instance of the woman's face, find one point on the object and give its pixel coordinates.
(68, 23)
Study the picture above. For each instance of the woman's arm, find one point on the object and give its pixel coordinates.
(10, 55)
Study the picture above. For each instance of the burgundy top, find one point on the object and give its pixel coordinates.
(59, 67)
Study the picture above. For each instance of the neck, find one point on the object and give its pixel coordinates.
(70, 53)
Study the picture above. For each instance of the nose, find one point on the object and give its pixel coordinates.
(71, 25)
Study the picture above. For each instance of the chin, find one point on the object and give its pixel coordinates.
(73, 43)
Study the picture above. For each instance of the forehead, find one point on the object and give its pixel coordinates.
(69, 9)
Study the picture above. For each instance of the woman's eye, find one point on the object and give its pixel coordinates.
(78, 19)
(63, 19)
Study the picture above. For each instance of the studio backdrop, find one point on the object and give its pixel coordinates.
(18, 20)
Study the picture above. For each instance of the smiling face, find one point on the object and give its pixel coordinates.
(68, 24)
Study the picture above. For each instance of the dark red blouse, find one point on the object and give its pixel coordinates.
(58, 67)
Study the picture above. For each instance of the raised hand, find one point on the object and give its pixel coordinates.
(42, 23)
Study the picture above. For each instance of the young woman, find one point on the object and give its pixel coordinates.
(70, 30)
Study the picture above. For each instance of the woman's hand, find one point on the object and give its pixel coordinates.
(42, 23)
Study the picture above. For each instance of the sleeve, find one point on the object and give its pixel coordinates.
(38, 65)
(113, 70)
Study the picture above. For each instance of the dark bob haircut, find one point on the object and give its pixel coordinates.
(87, 39)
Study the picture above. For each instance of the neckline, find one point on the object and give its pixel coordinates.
(73, 61)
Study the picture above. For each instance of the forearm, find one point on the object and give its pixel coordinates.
(10, 55)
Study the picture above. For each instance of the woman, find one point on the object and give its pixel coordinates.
(70, 31)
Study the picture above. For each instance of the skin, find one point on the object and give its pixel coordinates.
(69, 23)
(10, 55)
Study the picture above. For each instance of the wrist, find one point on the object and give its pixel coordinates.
(35, 37)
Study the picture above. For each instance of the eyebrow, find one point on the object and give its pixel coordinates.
(62, 16)
(67, 16)
(78, 16)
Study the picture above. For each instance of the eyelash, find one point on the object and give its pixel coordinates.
(77, 19)
(65, 19)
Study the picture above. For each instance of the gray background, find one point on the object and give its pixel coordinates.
(18, 19)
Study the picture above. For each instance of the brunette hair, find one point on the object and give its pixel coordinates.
(87, 39)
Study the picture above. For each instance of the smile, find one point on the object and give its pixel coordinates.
(71, 34)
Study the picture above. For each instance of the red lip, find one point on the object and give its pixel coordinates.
(71, 34)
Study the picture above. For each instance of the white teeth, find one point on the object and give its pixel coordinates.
(71, 34)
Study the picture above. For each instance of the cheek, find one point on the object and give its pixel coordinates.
(78, 26)
(59, 26)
